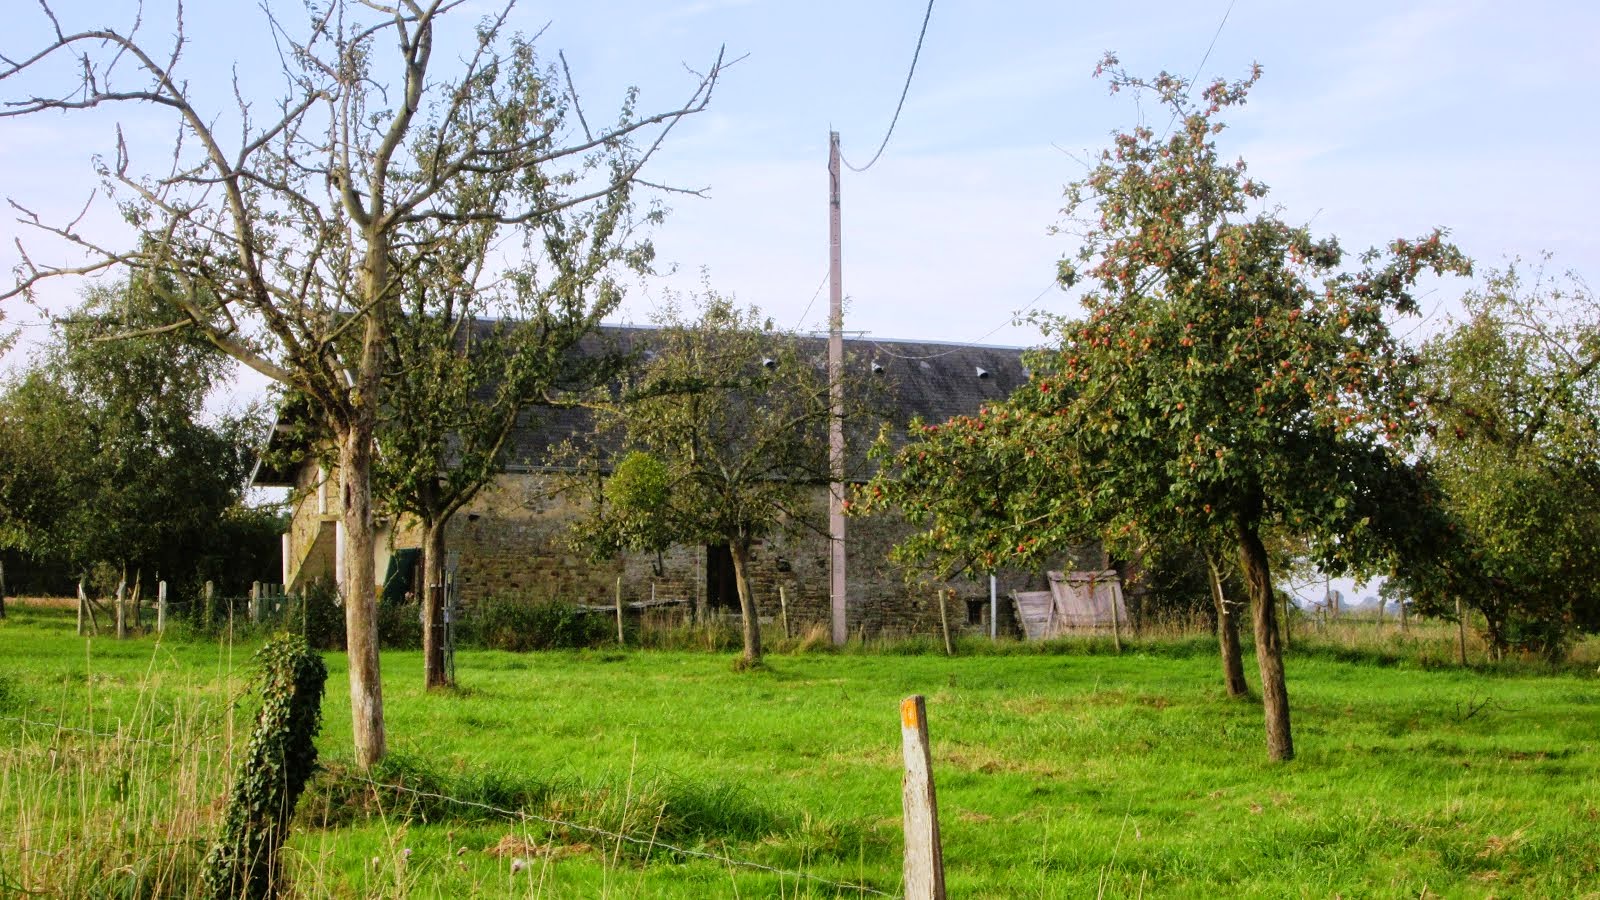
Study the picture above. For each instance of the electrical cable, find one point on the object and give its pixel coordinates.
(814, 295)
(903, 92)
(1011, 319)
(1211, 46)
(1203, 59)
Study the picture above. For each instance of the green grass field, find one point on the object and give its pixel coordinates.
(1074, 773)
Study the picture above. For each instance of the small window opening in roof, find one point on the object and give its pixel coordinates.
(877, 368)
(982, 372)
(769, 362)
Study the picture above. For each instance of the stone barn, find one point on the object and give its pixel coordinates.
(511, 539)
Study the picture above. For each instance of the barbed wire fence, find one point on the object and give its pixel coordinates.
(651, 844)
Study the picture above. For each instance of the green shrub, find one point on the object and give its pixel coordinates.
(400, 626)
(318, 617)
(521, 624)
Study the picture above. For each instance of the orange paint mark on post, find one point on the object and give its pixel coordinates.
(908, 712)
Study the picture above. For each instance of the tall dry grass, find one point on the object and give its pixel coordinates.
(113, 808)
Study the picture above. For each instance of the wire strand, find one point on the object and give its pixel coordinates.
(1193, 79)
(814, 295)
(1211, 46)
(525, 816)
(643, 842)
(903, 92)
(1011, 319)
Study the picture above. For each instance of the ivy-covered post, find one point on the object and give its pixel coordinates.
(280, 759)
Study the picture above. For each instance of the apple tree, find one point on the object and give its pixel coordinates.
(1231, 374)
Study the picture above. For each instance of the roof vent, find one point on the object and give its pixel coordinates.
(769, 362)
(877, 368)
(982, 372)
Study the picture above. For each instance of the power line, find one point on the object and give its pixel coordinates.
(1211, 46)
(1011, 319)
(814, 295)
(903, 92)
(1193, 79)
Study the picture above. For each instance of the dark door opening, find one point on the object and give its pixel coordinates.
(722, 589)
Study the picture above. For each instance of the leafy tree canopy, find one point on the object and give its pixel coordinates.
(1229, 370)
(1231, 373)
(1514, 405)
(109, 456)
(716, 441)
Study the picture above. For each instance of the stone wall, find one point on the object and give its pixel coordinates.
(512, 541)
(311, 551)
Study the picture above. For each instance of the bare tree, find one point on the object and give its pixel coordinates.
(290, 237)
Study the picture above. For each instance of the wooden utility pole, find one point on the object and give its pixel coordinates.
(924, 860)
(161, 607)
(836, 568)
(1461, 634)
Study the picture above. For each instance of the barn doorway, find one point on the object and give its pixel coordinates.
(722, 588)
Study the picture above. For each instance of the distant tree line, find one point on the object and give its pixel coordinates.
(111, 466)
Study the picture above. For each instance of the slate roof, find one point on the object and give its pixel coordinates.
(927, 379)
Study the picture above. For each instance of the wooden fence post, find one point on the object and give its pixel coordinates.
(122, 609)
(783, 608)
(620, 641)
(83, 602)
(924, 861)
(136, 600)
(944, 622)
(255, 602)
(1461, 634)
(161, 607)
(1116, 617)
(994, 608)
(2, 589)
(210, 613)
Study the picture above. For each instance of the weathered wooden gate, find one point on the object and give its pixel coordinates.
(1077, 602)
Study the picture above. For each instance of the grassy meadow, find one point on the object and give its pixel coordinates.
(1070, 772)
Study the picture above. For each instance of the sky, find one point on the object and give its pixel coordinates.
(1373, 120)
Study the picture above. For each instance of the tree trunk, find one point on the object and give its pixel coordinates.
(740, 551)
(1269, 654)
(1227, 636)
(360, 594)
(433, 671)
